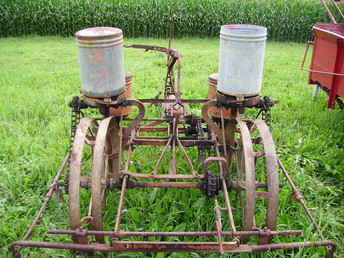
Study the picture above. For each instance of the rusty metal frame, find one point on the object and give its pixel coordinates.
(231, 140)
(126, 246)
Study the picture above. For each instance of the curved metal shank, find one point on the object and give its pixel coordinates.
(172, 53)
(214, 159)
(169, 51)
(140, 115)
(173, 58)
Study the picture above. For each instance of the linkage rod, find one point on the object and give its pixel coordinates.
(228, 205)
(120, 204)
(225, 193)
(154, 172)
(299, 197)
(194, 172)
(218, 224)
(52, 188)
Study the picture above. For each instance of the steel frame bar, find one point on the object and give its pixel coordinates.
(173, 246)
(144, 246)
(151, 137)
(164, 176)
(144, 128)
(161, 101)
(162, 142)
(201, 233)
(85, 182)
(160, 120)
(165, 184)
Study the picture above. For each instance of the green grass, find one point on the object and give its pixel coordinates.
(39, 76)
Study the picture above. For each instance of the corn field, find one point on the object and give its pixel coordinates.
(285, 19)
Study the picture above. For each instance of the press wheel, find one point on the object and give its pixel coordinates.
(105, 147)
(80, 165)
(256, 169)
(245, 176)
(267, 173)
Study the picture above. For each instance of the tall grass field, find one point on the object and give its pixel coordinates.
(285, 19)
(40, 75)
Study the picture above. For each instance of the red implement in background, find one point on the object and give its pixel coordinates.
(327, 64)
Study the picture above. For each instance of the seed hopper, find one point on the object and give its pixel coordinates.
(236, 163)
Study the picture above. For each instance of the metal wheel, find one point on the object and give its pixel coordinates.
(256, 160)
(246, 177)
(105, 144)
(80, 164)
(266, 173)
(106, 161)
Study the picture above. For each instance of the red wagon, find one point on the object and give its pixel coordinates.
(327, 64)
